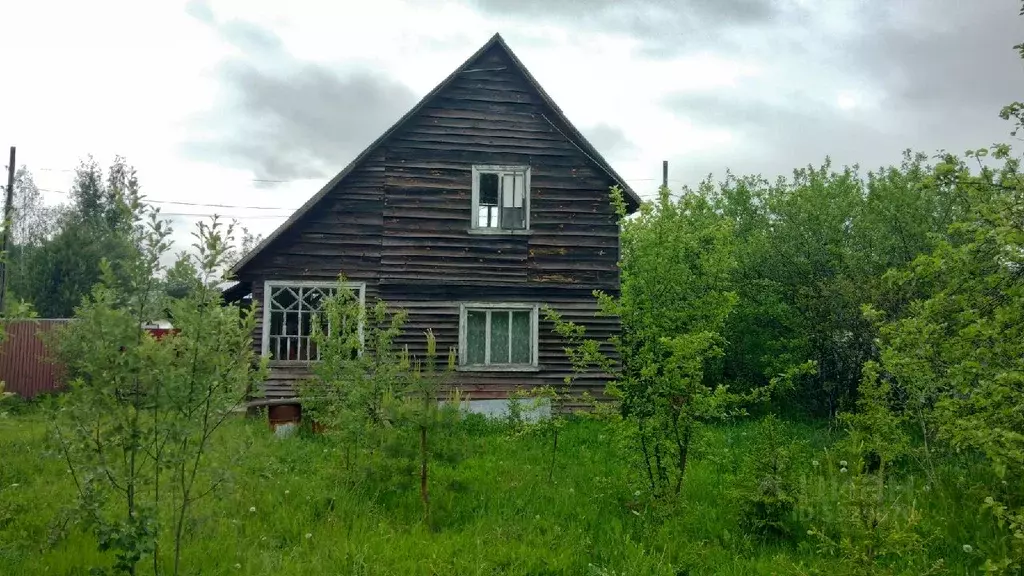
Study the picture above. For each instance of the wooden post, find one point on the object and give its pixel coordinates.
(8, 210)
(664, 173)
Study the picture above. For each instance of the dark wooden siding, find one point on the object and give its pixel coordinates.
(490, 115)
(342, 235)
(438, 310)
(400, 222)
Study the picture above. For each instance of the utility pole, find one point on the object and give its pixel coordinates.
(8, 210)
(664, 173)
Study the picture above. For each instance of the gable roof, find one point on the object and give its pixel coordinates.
(571, 133)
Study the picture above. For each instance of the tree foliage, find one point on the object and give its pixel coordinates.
(955, 359)
(378, 402)
(58, 251)
(136, 424)
(810, 251)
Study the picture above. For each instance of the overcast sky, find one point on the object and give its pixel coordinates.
(258, 103)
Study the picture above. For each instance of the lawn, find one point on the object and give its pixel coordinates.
(288, 509)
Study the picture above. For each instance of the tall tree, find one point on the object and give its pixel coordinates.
(32, 225)
(99, 223)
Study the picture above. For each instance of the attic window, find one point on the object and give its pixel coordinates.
(501, 198)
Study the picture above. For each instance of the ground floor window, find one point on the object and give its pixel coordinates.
(289, 310)
(498, 336)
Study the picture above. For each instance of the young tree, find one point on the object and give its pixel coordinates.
(137, 422)
(677, 259)
(420, 408)
(212, 368)
(106, 427)
(359, 368)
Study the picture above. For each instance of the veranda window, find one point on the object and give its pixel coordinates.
(498, 336)
(289, 310)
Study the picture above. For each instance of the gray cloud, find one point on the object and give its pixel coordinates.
(945, 53)
(939, 69)
(284, 118)
(609, 140)
(774, 138)
(665, 27)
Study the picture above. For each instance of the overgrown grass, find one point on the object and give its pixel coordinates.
(290, 510)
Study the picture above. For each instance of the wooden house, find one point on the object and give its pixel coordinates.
(478, 207)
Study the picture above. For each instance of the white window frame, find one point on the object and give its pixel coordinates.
(475, 227)
(269, 285)
(532, 366)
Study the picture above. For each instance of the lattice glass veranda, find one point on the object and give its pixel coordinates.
(292, 313)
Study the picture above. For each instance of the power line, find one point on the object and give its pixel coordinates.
(200, 204)
(210, 215)
(266, 180)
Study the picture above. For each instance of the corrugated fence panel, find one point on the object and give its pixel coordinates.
(25, 366)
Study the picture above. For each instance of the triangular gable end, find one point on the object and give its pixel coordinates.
(560, 122)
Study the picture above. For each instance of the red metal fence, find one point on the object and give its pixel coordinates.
(25, 366)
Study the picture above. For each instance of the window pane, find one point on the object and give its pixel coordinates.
(508, 190)
(488, 189)
(522, 337)
(476, 336)
(487, 217)
(513, 218)
(312, 299)
(284, 298)
(276, 322)
(499, 337)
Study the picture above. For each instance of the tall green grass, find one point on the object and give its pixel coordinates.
(289, 509)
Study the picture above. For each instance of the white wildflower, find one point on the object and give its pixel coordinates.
(968, 548)
(252, 509)
(637, 493)
(238, 566)
(309, 535)
(842, 463)
(814, 463)
(842, 470)
(286, 492)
